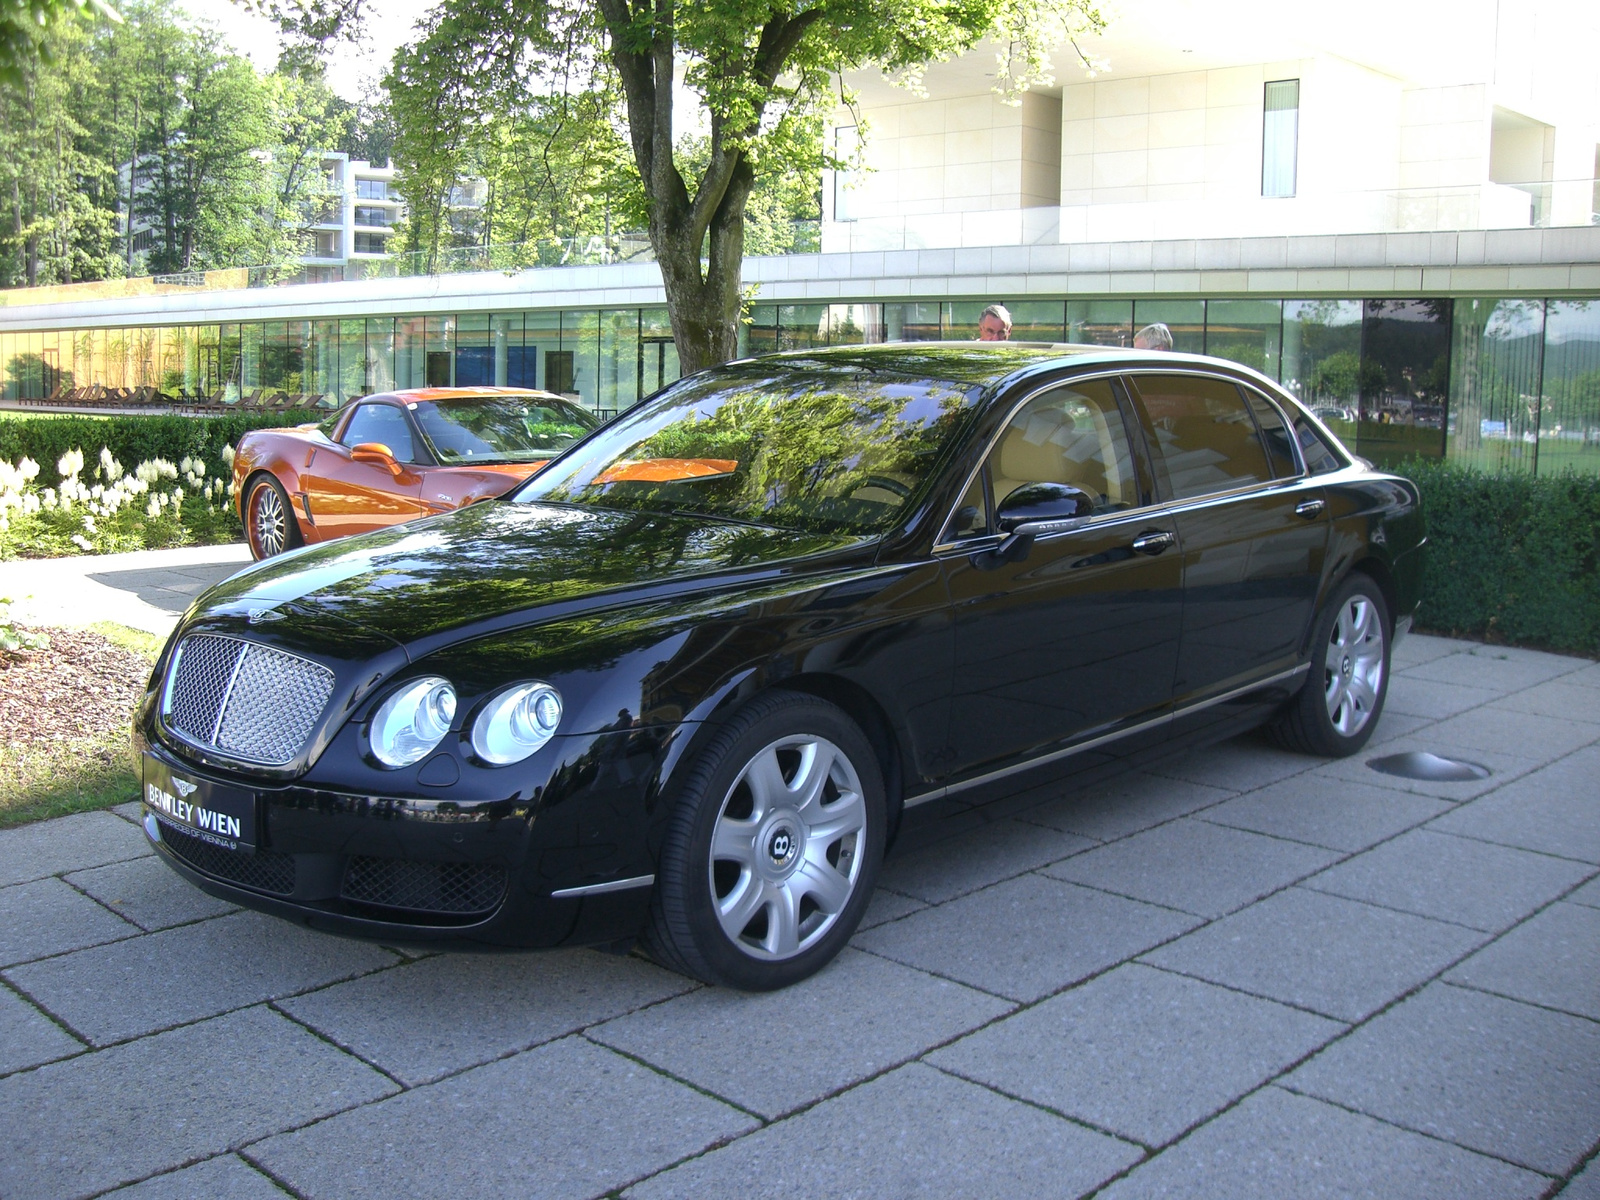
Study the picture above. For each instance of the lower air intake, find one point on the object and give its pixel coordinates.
(263, 871)
(460, 889)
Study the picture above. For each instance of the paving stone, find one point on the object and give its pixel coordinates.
(1425, 647)
(1432, 700)
(1588, 894)
(1326, 812)
(227, 1177)
(1502, 668)
(977, 858)
(1334, 956)
(887, 906)
(1194, 865)
(1276, 1145)
(149, 893)
(914, 1132)
(28, 1037)
(1240, 765)
(568, 1119)
(1392, 725)
(49, 917)
(163, 979)
(1552, 959)
(1497, 730)
(1508, 1079)
(775, 1051)
(1125, 805)
(67, 844)
(133, 811)
(97, 1120)
(1502, 769)
(1027, 937)
(1140, 1052)
(1555, 810)
(1587, 677)
(458, 1010)
(1585, 1185)
(1459, 879)
(1558, 698)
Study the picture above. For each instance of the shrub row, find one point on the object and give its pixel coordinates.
(1511, 558)
(132, 439)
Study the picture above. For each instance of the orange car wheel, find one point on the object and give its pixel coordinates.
(269, 522)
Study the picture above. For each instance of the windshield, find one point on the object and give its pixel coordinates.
(497, 429)
(797, 445)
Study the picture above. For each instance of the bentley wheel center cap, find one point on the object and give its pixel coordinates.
(781, 847)
(1344, 666)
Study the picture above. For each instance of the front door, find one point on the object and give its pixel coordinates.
(1081, 637)
(344, 496)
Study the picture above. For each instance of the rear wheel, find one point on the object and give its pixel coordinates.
(269, 523)
(773, 848)
(1335, 713)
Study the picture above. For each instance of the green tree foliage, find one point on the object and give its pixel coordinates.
(761, 75)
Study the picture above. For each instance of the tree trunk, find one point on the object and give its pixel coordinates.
(703, 303)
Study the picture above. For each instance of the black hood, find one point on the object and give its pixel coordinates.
(486, 566)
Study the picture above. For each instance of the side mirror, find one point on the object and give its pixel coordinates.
(377, 453)
(1033, 510)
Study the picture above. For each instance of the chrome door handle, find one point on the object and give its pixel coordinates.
(1309, 509)
(1153, 543)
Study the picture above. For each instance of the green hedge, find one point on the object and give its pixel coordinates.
(132, 439)
(1511, 558)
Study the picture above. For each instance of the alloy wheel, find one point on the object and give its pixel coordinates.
(786, 851)
(1353, 667)
(269, 523)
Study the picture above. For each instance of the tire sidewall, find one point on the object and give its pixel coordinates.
(795, 715)
(1315, 696)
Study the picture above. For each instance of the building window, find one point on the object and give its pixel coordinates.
(369, 243)
(1280, 137)
(372, 189)
(846, 149)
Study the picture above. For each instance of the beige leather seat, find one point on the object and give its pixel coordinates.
(1047, 447)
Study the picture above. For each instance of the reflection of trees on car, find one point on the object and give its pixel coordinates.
(501, 429)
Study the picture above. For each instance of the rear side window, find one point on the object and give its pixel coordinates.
(381, 423)
(1319, 458)
(1275, 434)
(1205, 439)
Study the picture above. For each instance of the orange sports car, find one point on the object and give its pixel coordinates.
(394, 457)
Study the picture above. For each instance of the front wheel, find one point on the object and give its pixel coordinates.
(269, 523)
(1335, 713)
(773, 848)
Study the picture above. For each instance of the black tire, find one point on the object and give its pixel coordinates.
(270, 527)
(1336, 711)
(775, 858)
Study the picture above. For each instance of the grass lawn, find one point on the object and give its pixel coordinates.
(51, 779)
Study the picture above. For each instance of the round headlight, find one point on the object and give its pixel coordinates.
(410, 723)
(516, 723)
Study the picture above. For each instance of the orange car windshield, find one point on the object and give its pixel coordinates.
(500, 429)
(801, 447)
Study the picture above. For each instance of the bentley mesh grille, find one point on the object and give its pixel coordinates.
(263, 871)
(457, 888)
(244, 699)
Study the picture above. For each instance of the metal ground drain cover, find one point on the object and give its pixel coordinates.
(1419, 764)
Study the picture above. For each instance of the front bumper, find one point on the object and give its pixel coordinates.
(539, 868)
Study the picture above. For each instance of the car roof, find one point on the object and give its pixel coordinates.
(445, 395)
(989, 363)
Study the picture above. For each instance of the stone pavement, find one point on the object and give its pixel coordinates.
(146, 589)
(1234, 973)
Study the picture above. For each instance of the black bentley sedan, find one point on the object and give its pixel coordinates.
(682, 685)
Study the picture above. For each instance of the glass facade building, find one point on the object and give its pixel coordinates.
(1506, 384)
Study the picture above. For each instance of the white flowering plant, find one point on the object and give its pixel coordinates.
(109, 509)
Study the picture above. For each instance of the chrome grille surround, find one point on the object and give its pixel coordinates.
(242, 699)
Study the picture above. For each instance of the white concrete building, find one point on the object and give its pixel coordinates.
(354, 222)
(1242, 118)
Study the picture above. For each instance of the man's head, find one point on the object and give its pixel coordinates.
(1153, 337)
(995, 324)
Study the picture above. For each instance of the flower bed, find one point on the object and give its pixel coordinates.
(159, 503)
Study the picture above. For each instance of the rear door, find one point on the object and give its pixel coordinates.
(1253, 526)
(345, 496)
